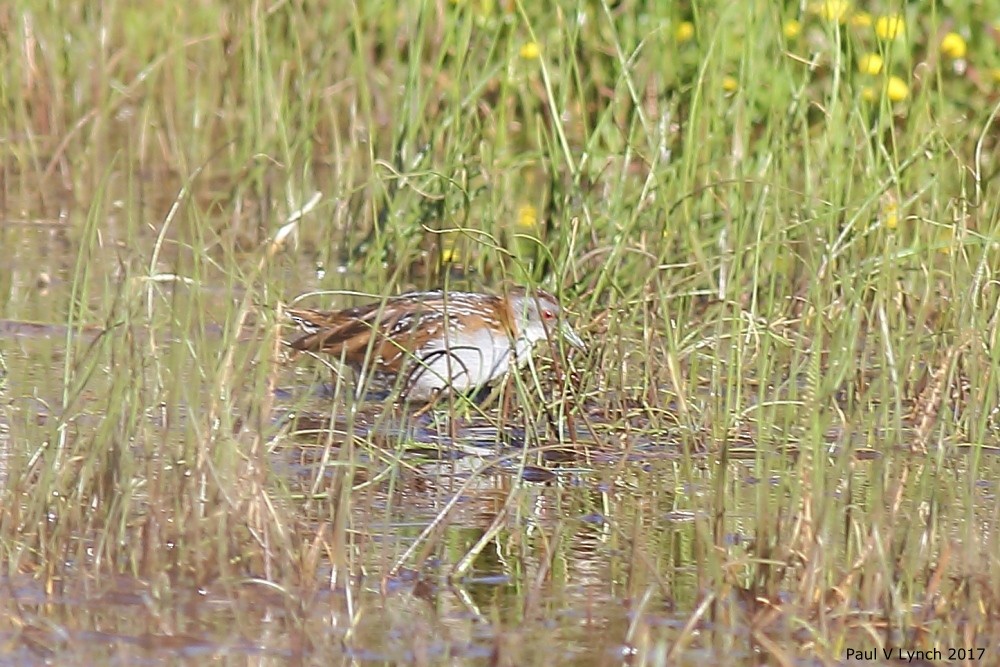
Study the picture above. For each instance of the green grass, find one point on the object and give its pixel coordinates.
(786, 420)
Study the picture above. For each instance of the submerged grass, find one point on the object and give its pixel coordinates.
(784, 431)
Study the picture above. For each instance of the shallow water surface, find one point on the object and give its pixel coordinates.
(210, 500)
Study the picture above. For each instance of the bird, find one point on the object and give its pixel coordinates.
(436, 343)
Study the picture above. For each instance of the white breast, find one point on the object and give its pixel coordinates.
(459, 365)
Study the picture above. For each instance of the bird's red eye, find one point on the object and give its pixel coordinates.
(547, 314)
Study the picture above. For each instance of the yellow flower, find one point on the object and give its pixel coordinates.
(730, 84)
(833, 10)
(897, 89)
(861, 19)
(684, 32)
(870, 63)
(792, 29)
(889, 27)
(890, 211)
(450, 255)
(527, 216)
(530, 51)
(953, 45)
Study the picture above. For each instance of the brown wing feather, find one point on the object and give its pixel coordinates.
(346, 334)
(325, 330)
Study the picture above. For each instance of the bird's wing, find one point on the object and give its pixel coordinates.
(347, 334)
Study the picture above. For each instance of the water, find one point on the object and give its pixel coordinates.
(255, 513)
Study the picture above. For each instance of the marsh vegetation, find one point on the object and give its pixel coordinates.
(775, 227)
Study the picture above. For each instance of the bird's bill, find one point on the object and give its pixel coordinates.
(570, 336)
